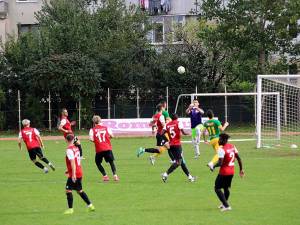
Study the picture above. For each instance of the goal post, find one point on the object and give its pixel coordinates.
(220, 103)
(281, 114)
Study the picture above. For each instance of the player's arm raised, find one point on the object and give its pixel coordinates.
(222, 128)
(188, 110)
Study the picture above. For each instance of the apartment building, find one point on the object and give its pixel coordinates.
(17, 16)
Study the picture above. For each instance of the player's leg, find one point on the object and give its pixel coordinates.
(109, 157)
(219, 183)
(32, 154)
(69, 187)
(44, 159)
(186, 170)
(196, 141)
(83, 195)
(227, 186)
(215, 144)
(98, 161)
(176, 153)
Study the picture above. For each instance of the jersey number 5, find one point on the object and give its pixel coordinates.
(172, 132)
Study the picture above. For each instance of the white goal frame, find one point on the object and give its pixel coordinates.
(259, 104)
(258, 118)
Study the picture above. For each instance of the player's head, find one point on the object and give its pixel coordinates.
(64, 112)
(174, 116)
(70, 138)
(26, 122)
(196, 102)
(163, 103)
(223, 138)
(210, 114)
(159, 107)
(96, 119)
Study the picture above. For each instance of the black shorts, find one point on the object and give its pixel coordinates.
(161, 140)
(107, 155)
(35, 152)
(223, 181)
(175, 153)
(70, 185)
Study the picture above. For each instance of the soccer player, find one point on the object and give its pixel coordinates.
(214, 127)
(74, 175)
(158, 124)
(164, 111)
(66, 127)
(195, 114)
(33, 141)
(174, 129)
(166, 115)
(227, 154)
(101, 136)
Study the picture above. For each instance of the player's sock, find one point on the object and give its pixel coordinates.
(80, 149)
(113, 167)
(40, 165)
(221, 197)
(85, 198)
(172, 168)
(70, 199)
(151, 150)
(226, 193)
(215, 159)
(185, 169)
(45, 160)
(101, 168)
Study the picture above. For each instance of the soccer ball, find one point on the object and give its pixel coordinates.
(181, 70)
(294, 146)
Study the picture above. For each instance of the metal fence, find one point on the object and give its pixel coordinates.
(114, 103)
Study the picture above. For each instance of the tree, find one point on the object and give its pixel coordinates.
(256, 28)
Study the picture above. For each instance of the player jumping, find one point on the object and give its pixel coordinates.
(74, 175)
(33, 141)
(101, 136)
(174, 129)
(195, 114)
(227, 154)
(214, 127)
(66, 127)
(158, 124)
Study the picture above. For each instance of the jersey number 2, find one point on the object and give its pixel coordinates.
(231, 162)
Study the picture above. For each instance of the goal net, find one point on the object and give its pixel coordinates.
(236, 108)
(278, 119)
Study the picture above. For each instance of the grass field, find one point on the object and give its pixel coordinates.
(269, 194)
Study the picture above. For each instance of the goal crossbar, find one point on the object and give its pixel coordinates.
(193, 95)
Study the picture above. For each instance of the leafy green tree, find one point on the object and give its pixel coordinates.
(256, 28)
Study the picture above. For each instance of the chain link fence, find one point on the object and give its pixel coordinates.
(44, 113)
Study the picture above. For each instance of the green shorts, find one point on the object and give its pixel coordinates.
(200, 127)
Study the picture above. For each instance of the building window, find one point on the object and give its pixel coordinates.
(178, 23)
(24, 28)
(158, 33)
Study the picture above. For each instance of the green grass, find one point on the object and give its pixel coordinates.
(269, 194)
